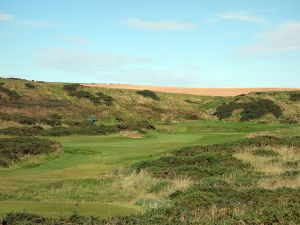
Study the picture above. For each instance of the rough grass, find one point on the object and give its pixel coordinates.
(231, 197)
(279, 164)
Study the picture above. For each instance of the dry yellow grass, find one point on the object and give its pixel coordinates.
(191, 91)
(137, 185)
(274, 166)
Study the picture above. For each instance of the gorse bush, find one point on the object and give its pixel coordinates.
(71, 87)
(251, 110)
(257, 109)
(148, 94)
(99, 98)
(294, 96)
(13, 149)
(22, 131)
(19, 118)
(29, 86)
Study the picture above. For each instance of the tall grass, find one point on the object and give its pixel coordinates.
(280, 165)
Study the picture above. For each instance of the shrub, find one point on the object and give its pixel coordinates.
(58, 131)
(294, 96)
(251, 110)
(13, 149)
(257, 109)
(54, 120)
(91, 120)
(148, 94)
(29, 85)
(22, 131)
(71, 87)
(19, 118)
(99, 98)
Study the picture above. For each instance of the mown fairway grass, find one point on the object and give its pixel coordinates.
(79, 177)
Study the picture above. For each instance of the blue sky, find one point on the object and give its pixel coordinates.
(216, 43)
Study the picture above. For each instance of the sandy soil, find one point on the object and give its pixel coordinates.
(192, 91)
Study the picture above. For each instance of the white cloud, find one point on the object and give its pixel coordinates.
(237, 16)
(29, 23)
(159, 26)
(86, 63)
(39, 24)
(282, 39)
(6, 17)
(75, 39)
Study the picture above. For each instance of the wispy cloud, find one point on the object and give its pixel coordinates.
(237, 16)
(39, 24)
(159, 25)
(282, 39)
(75, 39)
(86, 63)
(6, 17)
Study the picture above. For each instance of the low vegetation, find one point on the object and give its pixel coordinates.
(148, 94)
(250, 110)
(98, 98)
(10, 93)
(13, 149)
(228, 187)
(118, 160)
(295, 96)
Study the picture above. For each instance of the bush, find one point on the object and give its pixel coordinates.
(58, 131)
(251, 110)
(99, 98)
(148, 94)
(294, 96)
(29, 85)
(71, 87)
(19, 118)
(54, 120)
(13, 149)
(257, 109)
(22, 131)
(137, 125)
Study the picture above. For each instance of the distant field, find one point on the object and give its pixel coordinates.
(192, 91)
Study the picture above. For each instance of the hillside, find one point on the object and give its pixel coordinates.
(77, 103)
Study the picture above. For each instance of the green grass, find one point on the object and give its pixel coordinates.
(55, 209)
(84, 170)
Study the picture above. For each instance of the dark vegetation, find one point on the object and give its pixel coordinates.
(22, 131)
(29, 86)
(13, 149)
(294, 96)
(98, 98)
(212, 199)
(251, 110)
(265, 152)
(54, 119)
(148, 94)
(81, 129)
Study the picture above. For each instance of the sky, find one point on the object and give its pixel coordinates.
(191, 43)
